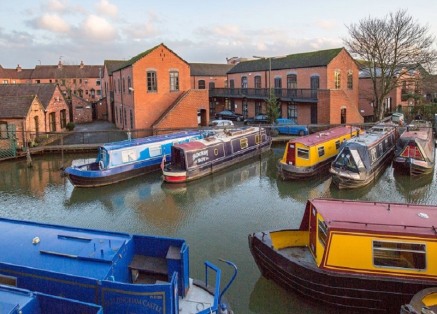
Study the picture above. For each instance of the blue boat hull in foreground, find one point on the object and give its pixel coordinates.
(20, 301)
(123, 273)
(127, 159)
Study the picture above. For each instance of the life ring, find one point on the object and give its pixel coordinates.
(101, 165)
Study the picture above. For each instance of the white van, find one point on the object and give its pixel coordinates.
(221, 123)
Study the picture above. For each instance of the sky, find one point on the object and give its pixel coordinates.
(34, 32)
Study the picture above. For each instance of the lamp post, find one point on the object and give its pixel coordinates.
(272, 106)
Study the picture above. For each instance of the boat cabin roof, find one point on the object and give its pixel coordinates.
(324, 136)
(148, 140)
(218, 137)
(377, 216)
(75, 251)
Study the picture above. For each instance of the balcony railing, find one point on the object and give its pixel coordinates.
(286, 94)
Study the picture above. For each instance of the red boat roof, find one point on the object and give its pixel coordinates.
(378, 216)
(194, 145)
(320, 137)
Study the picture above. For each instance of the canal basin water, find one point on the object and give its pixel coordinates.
(214, 214)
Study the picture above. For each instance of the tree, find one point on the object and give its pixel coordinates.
(272, 108)
(391, 48)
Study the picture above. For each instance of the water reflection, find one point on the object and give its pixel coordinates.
(415, 189)
(214, 214)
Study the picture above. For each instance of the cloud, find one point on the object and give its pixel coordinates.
(107, 8)
(147, 29)
(98, 28)
(54, 6)
(51, 22)
(327, 24)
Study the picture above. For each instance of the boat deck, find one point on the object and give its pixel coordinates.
(302, 254)
(60, 249)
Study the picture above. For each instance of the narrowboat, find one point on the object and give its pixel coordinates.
(362, 159)
(415, 149)
(123, 273)
(423, 302)
(357, 256)
(127, 159)
(20, 301)
(310, 155)
(196, 159)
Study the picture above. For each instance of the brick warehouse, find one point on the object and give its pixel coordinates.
(153, 90)
(319, 87)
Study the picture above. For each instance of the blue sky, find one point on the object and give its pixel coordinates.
(36, 32)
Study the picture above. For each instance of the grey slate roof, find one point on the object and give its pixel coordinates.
(43, 91)
(205, 69)
(66, 71)
(113, 65)
(18, 73)
(15, 106)
(294, 61)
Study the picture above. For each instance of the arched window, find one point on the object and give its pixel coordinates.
(337, 79)
(174, 81)
(201, 84)
(350, 80)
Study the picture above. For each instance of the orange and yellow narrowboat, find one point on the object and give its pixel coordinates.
(355, 255)
(309, 155)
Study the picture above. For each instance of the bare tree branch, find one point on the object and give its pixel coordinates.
(389, 49)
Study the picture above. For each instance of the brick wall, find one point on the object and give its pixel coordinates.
(82, 110)
(183, 113)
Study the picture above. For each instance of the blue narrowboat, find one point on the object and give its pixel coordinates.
(127, 159)
(121, 272)
(20, 301)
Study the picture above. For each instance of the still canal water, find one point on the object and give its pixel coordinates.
(214, 214)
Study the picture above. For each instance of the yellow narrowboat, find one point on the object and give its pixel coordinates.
(309, 155)
(355, 255)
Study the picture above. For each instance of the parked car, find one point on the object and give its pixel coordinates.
(258, 119)
(229, 115)
(221, 123)
(289, 127)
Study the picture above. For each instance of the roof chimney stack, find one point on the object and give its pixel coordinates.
(18, 68)
(59, 64)
(81, 64)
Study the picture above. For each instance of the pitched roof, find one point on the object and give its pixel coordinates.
(15, 106)
(294, 61)
(131, 61)
(113, 65)
(205, 69)
(66, 71)
(17, 73)
(43, 91)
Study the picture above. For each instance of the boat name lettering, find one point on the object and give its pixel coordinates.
(138, 301)
(201, 156)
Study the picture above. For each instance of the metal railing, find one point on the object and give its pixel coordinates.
(288, 94)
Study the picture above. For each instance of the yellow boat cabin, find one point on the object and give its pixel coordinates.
(370, 256)
(309, 155)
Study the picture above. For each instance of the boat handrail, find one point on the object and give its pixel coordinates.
(383, 224)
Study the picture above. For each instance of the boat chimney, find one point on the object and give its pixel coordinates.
(388, 208)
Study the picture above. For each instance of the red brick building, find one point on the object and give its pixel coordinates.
(55, 108)
(152, 91)
(398, 99)
(319, 87)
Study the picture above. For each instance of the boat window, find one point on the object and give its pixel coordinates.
(322, 232)
(129, 155)
(244, 143)
(337, 144)
(215, 151)
(345, 160)
(373, 154)
(399, 255)
(303, 153)
(257, 139)
(155, 151)
(321, 151)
